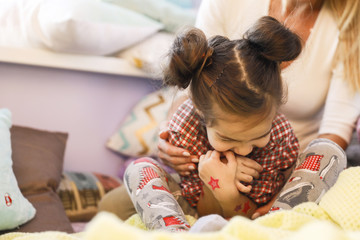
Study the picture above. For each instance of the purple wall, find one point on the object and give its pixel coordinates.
(89, 106)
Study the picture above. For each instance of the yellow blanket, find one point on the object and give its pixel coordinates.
(336, 217)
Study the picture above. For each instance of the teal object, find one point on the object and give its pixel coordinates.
(171, 15)
(15, 209)
(182, 3)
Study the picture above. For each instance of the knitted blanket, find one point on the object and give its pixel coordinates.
(337, 216)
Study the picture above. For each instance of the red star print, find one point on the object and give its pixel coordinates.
(246, 207)
(214, 183)
(237, 208)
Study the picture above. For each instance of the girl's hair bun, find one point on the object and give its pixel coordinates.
(186, 57)
(273, 40)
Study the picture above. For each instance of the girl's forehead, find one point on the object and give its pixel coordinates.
(246, 120)
(249, 124)
(241, 127)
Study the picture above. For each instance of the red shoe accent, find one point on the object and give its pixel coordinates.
(311, 163)
(160, 188)
(8, 200)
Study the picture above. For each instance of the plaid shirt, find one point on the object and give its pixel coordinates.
(187, 131)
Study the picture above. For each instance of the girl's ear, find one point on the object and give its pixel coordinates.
(202, 118)
(199, 113)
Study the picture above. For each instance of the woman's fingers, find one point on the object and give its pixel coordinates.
(264, 209)
(184, 169)
(167, 150)
(182, 165)
(170, 150)
(175, 157)
(164, 135)
(261, 211)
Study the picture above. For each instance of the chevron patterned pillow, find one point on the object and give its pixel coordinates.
(138, 133)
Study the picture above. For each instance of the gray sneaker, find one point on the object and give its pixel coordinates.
(317, 170)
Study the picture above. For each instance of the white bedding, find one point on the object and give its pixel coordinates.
(88, 35)
(73, 26)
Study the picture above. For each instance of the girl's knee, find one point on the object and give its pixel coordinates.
(141, 163)
(145, 161)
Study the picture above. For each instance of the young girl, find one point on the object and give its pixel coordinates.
(235, 91)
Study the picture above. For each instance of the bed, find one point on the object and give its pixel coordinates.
(77, 77)
(81, 108)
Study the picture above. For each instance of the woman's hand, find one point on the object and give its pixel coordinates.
(246, 170)
(264, 209)
(177, 158)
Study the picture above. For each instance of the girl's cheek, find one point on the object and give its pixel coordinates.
(262, 142)
(219, 146)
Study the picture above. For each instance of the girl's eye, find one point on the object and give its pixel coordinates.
(224, 139)
(267, 135)
(227, 140)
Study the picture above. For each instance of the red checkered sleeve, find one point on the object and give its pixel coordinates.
(187, 131)
(278, 155)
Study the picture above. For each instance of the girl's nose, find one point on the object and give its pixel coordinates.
(243, 150)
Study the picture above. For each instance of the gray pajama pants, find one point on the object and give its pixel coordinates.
(155, 195)
(316, 172)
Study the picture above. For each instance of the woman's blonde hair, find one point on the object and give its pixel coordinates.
(347, 13)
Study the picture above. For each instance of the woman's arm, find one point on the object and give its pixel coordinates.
(175, 157)
(335, 138)
(210, 17)
(342, 109)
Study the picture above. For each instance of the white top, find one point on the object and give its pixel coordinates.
(318, 100)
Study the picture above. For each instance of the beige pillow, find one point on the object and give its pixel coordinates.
(38, 158)
(38, 165)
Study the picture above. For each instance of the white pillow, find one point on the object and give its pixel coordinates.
(170, 14)
(15, 209)
(143, 56)
(74, 26)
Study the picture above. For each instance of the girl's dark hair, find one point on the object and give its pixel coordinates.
(241, 76)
